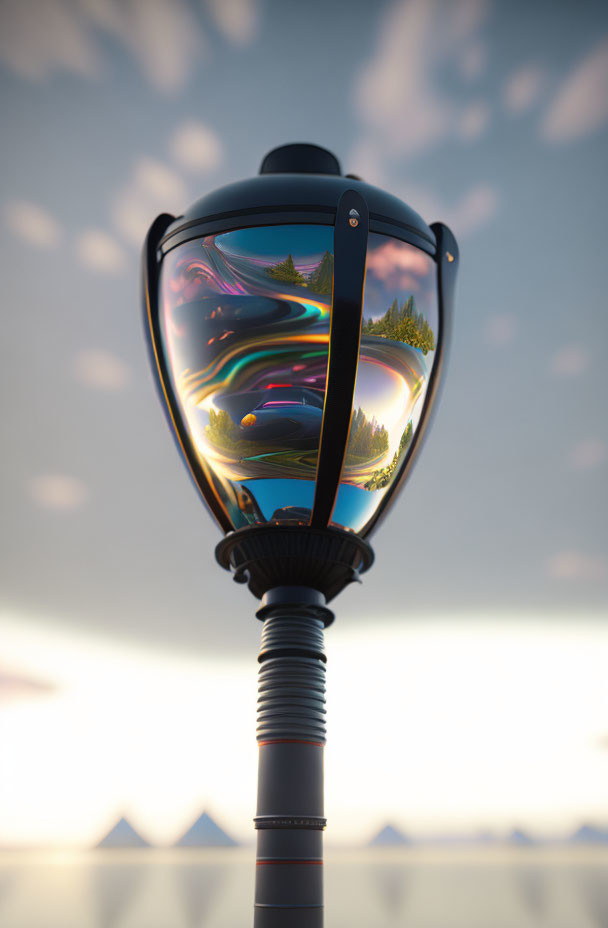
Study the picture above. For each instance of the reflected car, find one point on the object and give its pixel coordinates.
(281, 412)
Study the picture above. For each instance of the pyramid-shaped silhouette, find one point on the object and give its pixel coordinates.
(205, 833)
(518, 836)
(389, 837)
(590, 834)
(123, 835)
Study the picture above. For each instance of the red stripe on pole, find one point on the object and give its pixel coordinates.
(318, 744)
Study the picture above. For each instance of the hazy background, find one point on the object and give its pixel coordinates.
(467, 676)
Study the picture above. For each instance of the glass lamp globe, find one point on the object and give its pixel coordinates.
(298, 322)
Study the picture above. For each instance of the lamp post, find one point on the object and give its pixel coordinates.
(297, 324)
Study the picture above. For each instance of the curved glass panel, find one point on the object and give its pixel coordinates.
(245, 330)
(398, 341)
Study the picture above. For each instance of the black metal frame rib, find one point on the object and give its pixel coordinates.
(350, 252)
(150, 273)
(446, 258)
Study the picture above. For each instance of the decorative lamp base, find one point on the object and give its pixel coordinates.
(265, 557)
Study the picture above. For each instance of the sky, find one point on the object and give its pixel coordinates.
(489, 115)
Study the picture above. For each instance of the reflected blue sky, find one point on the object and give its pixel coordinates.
(306, 242)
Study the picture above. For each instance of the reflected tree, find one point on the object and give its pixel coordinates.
(402, 325)
(368, 439)
(286, 271)
(382, 477)
(321, 279)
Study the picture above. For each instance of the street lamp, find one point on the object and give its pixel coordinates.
(297, 324)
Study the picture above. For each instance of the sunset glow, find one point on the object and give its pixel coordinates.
(132, 731)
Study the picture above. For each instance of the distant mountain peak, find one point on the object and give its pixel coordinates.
(590, 834)
(518, 836)
(123, 835)
(389, 836)
(205, 833)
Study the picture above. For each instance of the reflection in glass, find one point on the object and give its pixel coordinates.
(245, 321)
(245, 325)
(398, 342)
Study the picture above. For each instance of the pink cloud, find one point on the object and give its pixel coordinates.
(573, 565)
(58, 491)
(500, 330)
(101, 370)
(398, 264)
(523, 88)
(570, 361)
(589, 454)
(17, 686)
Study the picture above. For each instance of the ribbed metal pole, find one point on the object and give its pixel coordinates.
(291, 736)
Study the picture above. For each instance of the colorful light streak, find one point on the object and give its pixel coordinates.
(240, 358)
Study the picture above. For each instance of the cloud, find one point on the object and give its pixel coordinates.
(196, 147)
(397, 266)
(39, 38)
(57, 491)
(33, 224)
(522, 88)
(474, 121)
(132, 215)
(157, 180)
(476, 208)
(367, 160)
(237, 20)
(405, 109)
(570, 361)
(473, 61)
(100, 252)
(101, 370)
(580, 106)
(589, 454)
(396, 94)
(574, 565)
(426, 202)
(386, 97)
(500, 330)
(153, 188)
(162, 35)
